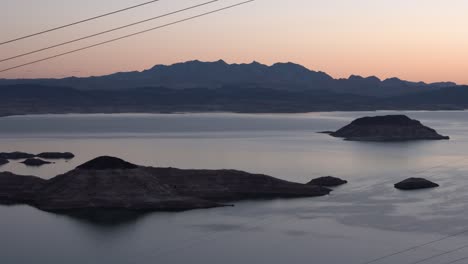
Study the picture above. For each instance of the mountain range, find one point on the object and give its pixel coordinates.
(219, 86)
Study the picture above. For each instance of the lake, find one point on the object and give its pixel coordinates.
(358, 222)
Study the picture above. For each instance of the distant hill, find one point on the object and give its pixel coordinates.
(217, 86)
(39, 99)
(213, 75)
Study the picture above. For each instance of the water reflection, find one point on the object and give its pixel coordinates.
(107, 218)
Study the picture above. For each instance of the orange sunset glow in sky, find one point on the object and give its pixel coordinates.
(417, 40)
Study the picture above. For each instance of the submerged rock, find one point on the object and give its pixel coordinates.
(327, 181)
(111, 183)
(3, 161)
(415, 184)
(56, 155)
(387, 128)
(35, 162)
(16, 155)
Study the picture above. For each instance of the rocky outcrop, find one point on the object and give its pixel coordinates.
(387, 128)
(16, 155)
(3, 161)
(55, 155)
(35, 162)
(15, 189)
(107, 163)
(112, 183)
(327, 181)
(415, 184)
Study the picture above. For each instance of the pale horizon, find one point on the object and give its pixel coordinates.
(414, 41)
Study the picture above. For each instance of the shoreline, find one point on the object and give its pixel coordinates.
(224, 112)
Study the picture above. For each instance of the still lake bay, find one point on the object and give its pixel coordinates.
(362, 220)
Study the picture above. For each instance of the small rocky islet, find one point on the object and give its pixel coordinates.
(56, 155)
(112, 183)
(386, 128)
(415, 184)
(328, 181)
(34, 162)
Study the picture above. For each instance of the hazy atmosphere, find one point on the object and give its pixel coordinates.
(233, 131)
(418, 40)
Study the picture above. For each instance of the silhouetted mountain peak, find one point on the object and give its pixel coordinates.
(256, 63)
(392, 80)
(360, 78)
(221, 62)
(290, 66)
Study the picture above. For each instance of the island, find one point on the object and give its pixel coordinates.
(112, 183)
(16, 155)
(35, 162)
(415, 184)
(328, 181)
(56, 155)
(387, 128)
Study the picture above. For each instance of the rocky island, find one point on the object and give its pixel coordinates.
(35, 162)
(16, 155)
(112, 183)
(328, 181)
(56, 155)
(415, 184)
(387, 128)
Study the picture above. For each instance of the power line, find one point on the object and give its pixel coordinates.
(126, 36)
(211, 237)
(416, 247)
(107, 31)
(440, 254)
(457, 260)
(78, 22)
(424, 244)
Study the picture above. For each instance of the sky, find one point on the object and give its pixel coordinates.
(417, 40)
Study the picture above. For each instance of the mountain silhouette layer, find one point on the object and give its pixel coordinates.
(218, 86)
(197, 74)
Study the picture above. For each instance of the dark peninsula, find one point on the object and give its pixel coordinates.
(3, 161)
(111, 183)
(16, 155)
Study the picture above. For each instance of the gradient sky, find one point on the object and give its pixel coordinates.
(412, 39)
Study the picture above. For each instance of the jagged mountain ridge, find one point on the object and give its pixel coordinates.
(218, 74)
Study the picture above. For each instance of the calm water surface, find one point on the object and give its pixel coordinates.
(363, 220)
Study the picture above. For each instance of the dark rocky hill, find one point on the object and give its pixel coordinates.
(111, 183)
(387, 128)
